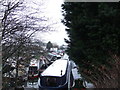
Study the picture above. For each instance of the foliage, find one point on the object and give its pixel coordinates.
(93, 29)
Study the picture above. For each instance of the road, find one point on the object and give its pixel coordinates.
(76, 75)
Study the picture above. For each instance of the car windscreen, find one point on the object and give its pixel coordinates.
(32, 70)
(51, 81)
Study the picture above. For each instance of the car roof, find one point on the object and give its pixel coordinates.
(57, 68)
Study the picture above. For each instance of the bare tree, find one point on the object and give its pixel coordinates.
(18, 27)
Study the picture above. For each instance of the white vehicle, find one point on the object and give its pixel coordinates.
(33, 69)
(52, 57)
(57, 75)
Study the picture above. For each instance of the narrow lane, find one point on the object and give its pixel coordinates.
(76, 75)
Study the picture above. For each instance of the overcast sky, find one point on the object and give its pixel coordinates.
(53, 12)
